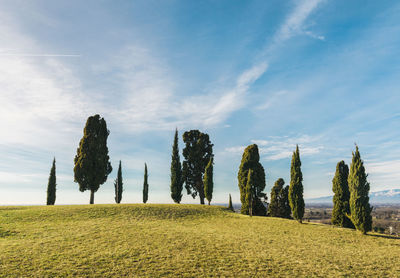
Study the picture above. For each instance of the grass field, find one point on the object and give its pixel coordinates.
(182, 241)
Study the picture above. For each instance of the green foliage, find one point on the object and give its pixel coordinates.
(92, 165)
(176, 172)
(360, 209)
(208, 180)
(340, 188)
(296, 199)
(279, 205)
(145, 185)
(250, 160)
(284, 203)
(250, 188)
(230, 206)
(197, 153)
(51, 186)
(118, 185)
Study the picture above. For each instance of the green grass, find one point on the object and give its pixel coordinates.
(182, 241)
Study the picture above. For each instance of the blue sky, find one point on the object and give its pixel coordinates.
(321, 74)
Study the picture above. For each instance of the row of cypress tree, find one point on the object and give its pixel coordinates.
(351, 208)
(284, 200)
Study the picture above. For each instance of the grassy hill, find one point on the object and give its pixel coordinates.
(182, 241)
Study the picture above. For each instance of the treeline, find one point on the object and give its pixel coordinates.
(351, 188)
(351, 202)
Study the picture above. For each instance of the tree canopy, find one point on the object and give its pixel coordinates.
(197, 153)
(92, 165)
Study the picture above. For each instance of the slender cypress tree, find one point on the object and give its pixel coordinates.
(340, 188)
(208, 180)
(360, 209)
(230, 206)
(145, 185)
(274, 208)
(176, 172)
(118, 185)
(92, 165)
(51, 186)
(250, 188)
(296, 200)
(284, 203)
(250, 161)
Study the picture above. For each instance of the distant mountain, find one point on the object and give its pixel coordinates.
(391, 196)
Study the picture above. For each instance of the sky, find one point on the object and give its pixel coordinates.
(322, 74)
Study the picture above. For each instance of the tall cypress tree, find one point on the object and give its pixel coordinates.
(51, 186)
(250, 160)
(145, 185)
(230, 206)
(360, 209)
(92, 165)
(340, 188)
(176, 172)
(274, 208)
(296, 199)
(118, 185)
(208, 180)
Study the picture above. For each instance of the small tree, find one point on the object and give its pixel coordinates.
(118, 185)
(340, 188)
(145, 185)
(250, 161)
(296, 187)
(250, 188)
(274, 208)
(208, 181)
(360, 208)
(51, 186)
(176, 172)
(197, 154)
(92, 165)
(284, 203)
(230, 206)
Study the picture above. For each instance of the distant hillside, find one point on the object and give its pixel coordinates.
(391, 196)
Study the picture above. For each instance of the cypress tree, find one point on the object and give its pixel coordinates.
(250, 160)
(197, 153)
(284, 203)
(250, 191)
(92, 165)
(176, 172)
(296, 200)
(274, 208)
(51, 186)
(340, 188)
(118, 185)
(145, 185)
(360, 209)
(208, 180)
(230, 206)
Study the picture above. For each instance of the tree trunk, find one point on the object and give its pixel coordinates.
(208, 202)
(91, 197)
(201, 199)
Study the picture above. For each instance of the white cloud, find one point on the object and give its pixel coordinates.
(276, 148)
(295, 21)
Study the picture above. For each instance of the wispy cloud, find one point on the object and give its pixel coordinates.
(294, 24)
(276, 148)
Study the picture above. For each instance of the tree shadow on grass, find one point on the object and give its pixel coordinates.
(384, 236)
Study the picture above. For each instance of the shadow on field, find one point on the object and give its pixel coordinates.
(384, 236)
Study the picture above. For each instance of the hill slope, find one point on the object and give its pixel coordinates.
(181, 241)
